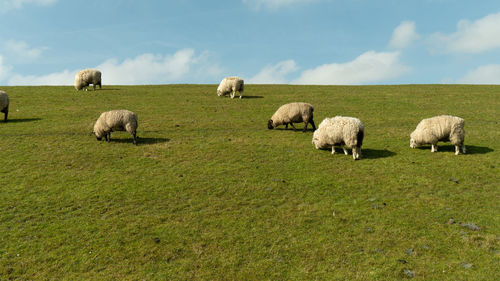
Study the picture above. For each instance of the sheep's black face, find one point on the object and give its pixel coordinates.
(270, 124)
(98, 138)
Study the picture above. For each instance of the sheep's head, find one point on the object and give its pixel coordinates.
(316, 143)
(319, 141)
(98, 135)
(219, 92)
(270, 124)
(98, 132)
(413, 142)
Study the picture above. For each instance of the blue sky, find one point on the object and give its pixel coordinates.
(356, 42)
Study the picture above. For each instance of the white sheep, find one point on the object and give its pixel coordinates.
(116, 120)
(231, 85)
(4, 104)
(340, 130)
(290, 113)
(86, 77)
(445, 128)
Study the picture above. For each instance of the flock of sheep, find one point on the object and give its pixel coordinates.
(337, 131)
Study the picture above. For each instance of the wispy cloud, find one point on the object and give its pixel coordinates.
(65, 77)
(403, 35)
(274, 4)
(22, 51)
(486, 74)
(369, 67)
(182, 66)
(4, 70)
(6, 5)
(471, 36)
(274, 74)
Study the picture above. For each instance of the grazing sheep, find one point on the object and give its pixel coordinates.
(290, 113)
(4, 104)
(116, 120)
(439, 128)
(340, 130)
(230, 85)
(86, 77)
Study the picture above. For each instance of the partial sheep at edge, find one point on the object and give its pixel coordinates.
(4, 104)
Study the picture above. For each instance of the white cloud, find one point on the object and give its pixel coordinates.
(274, 74)
(471, 37)
(403, 35)
(6, 5)
(4, 70)
(486, 74)
(274, 4)
(22, 51)
(182, 66)
(58, 78)
(369, 67)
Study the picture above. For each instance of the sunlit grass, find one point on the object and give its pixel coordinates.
(210, 193)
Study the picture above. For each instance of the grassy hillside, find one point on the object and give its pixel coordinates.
(210, 193)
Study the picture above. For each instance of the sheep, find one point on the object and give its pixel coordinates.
(86, 77)
(445, 128)
(116, 120)
(290, 113)
(231, 85)
(4, 104)
(340, 130)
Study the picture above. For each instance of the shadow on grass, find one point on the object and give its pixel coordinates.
(21, 120)
(252, 97)
(368, 153)
(107, 89)
(141, 140)
(299, 130)
(470, 149)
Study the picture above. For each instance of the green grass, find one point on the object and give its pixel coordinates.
(211, 194)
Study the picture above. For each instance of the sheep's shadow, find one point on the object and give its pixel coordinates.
(368, 153)
(107, 89)
(470, 149)
(141, 140)
(252, 97)
(21, 120)
(299, 130)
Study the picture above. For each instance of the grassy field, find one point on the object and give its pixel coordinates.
(210, 193)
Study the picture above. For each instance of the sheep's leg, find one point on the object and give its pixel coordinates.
(434, 148)
(356, 152)
(293, 126)
(108, 137)
(457, 149)
(333, 149)
(305, 126)
(232, 94)
(134, 141)
(93, 86)
(463, 148)
(240, 95)
(312, 123)
(345, 149)
(286, 126)
(6, 114)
